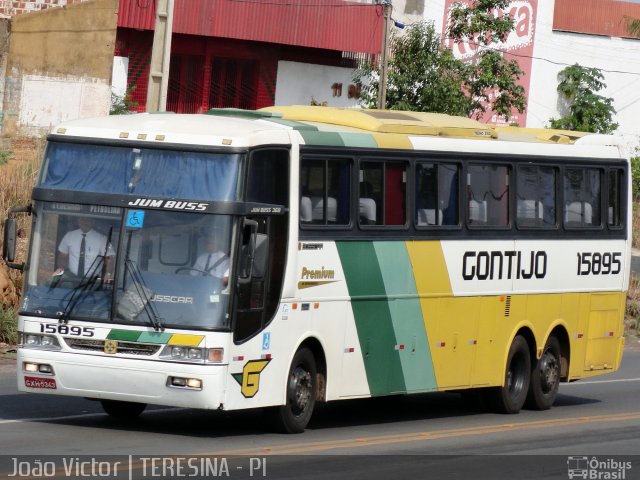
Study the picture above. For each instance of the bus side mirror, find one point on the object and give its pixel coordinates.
(247, 250)
(11, 236)
(260, 256)
(9, 244)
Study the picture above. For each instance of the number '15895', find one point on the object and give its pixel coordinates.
(598, 263)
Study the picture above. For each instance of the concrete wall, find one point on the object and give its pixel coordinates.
(617, 58)
(59, 66)
(17, 7)
(300, 83)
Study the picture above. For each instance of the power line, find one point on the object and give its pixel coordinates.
(296, 4)
(521, 55)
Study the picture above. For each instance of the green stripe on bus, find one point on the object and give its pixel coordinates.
(364, 140)
(406, 314)
(372, 316)
(154, 337)
(293, 124)
(322, 138)
(124, 335)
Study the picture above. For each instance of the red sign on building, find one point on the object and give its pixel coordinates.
(518, 46)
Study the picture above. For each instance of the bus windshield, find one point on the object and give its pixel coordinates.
(127, 170)
(129, 266)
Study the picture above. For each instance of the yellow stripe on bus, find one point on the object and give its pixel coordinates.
(187, 340)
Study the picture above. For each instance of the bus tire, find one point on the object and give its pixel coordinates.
(302, 386)
(510, 397)
(545, 377)
(118, 409)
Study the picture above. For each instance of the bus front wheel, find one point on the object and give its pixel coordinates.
(302, 387)
(545, 377)
(118, 409)
(510, 397)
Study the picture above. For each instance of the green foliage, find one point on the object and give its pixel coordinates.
(635, 177)
(633, 25)
(425, 76)
(122, 104)
(8, 326)
(4, 157)
(493, 73)
(585, 110)
(478, 21)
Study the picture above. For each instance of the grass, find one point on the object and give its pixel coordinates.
(4, 157)
(9, 325)
(18, 171)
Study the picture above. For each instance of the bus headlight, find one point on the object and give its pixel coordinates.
(177, 353)
(35, 340)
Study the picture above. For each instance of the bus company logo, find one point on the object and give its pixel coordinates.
(249, 378)
(597, 469)
(315, 277)
(168, 204)
(500, 265)
(110, 347)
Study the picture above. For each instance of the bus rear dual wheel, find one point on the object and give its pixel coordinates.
(537, 387)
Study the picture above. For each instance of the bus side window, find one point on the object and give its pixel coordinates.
(536, 197)
(383, 193)
(488, 195)
(436, 194)
(258, 299)
(325, 191)
(268, 180)
(582, 195)
(614, 205)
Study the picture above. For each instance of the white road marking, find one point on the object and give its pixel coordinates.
(580, 382)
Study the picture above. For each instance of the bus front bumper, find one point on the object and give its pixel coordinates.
(112, 378)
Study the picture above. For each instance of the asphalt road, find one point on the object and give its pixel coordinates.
(401, 437)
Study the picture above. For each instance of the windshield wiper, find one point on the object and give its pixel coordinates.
(144, 294)
(86, 281)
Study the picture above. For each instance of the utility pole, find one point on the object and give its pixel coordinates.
(160, 57)
(384, 55)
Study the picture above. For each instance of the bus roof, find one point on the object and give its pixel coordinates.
(167, 128)
(350, 127)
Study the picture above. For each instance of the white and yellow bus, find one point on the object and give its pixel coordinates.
(357, 253)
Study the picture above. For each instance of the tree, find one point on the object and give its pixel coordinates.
(491, 79)
(633, 25)
(584, 110)
(423, 75)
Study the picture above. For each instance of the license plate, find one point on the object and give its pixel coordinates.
(36, 382)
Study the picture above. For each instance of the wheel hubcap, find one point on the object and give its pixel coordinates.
(549, 372)
(300, 388)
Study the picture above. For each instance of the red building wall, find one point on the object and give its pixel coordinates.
(225, 53)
